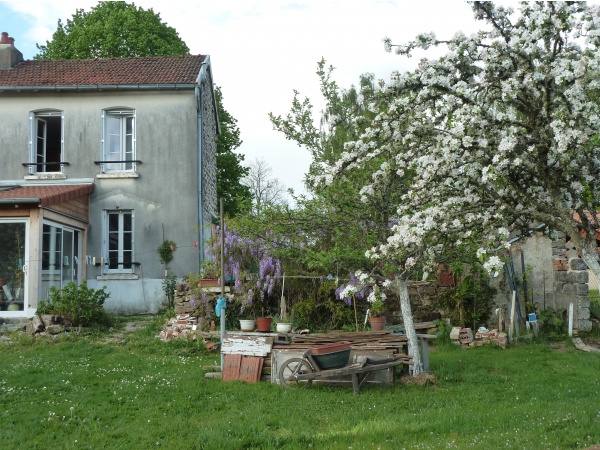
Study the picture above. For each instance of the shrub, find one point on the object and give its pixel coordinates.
(165, 251)
(168, 285)
(80, 305)
(469, 302)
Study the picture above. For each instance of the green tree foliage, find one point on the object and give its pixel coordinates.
(337, 226)
(112, 30)
(230, 171)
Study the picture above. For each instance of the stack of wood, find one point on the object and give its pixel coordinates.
(375, 340)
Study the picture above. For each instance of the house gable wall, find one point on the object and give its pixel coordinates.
(163, 193)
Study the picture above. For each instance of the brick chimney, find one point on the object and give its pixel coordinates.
(9, 55)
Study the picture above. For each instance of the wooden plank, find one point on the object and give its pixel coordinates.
(250, 369)
(259, 372)
(247, 345)
(231, 367)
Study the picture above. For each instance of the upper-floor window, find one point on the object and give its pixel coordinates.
(118, 140)
(46, 142)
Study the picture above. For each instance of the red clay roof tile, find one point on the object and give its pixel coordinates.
(111, 71)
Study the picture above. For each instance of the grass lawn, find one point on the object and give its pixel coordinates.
(139, 392)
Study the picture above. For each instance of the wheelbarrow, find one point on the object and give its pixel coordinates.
(301, 372)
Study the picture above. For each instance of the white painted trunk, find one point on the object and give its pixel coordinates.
(409, 326)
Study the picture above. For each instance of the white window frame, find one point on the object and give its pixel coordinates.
(123, 114)
(63, 263)
(35, 117)
(121, 239)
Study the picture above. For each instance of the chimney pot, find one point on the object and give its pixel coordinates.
(4, 39)
(11, 41)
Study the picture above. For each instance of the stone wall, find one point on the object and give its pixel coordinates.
(556, 277)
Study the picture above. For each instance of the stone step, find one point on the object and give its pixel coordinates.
(8, 325)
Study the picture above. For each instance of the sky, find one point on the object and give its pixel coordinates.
(261, 51)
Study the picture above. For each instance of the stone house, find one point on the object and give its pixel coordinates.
(102, 160)
(555, 277)
(545, 265)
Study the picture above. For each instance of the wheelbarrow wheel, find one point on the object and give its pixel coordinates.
(291, 369)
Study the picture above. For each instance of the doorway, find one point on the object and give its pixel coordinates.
(13, 264)
(60, 257)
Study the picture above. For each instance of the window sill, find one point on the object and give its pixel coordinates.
(118, 276)
(118, 175)
(46, 176)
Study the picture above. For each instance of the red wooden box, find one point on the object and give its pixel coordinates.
(330, 348)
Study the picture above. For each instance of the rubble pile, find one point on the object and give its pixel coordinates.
(185, 326)
(465, 338)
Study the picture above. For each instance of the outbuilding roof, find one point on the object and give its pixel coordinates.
(43, 195)
(154, 70)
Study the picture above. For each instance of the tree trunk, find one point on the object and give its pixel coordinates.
(589, 253)
(407, 317)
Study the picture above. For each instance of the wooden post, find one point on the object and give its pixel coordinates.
(571, 319)
(512, 317)
(500, 319)
(355, 313)
(222, 327)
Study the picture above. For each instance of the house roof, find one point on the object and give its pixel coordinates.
(43, 195)
(155, 70)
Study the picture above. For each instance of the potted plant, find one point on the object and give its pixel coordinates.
(284, 324)
(247, 325)
(209, 273)
(376, 301)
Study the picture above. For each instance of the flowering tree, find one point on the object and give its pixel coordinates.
(501, 133)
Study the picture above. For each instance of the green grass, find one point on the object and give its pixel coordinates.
(142, 393)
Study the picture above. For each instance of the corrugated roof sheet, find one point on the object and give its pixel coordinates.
(110, 71)
(47, 195)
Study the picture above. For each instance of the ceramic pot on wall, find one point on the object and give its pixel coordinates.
(263, 324)
(377, 323)
(247, 324)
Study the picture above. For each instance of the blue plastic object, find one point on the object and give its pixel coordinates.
(221, 303)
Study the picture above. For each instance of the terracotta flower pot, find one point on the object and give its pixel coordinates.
(377, 323)
(263, 324)
(209, 282)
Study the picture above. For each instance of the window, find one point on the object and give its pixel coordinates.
(60, 256)
(118, 141)
(46, 143)
(118, 256)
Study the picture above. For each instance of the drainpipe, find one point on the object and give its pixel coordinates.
(201, 82)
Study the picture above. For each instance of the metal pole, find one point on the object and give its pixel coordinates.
(222, 279)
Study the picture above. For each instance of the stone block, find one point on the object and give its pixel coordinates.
(55, 329)
(455, 335)
(583, 301)
(581, 276)
(563, 277)
(566, 288)
(585, 325)
(581, 289)
(573, 253)
(466, 336)
(577, 264)
(583, 313)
